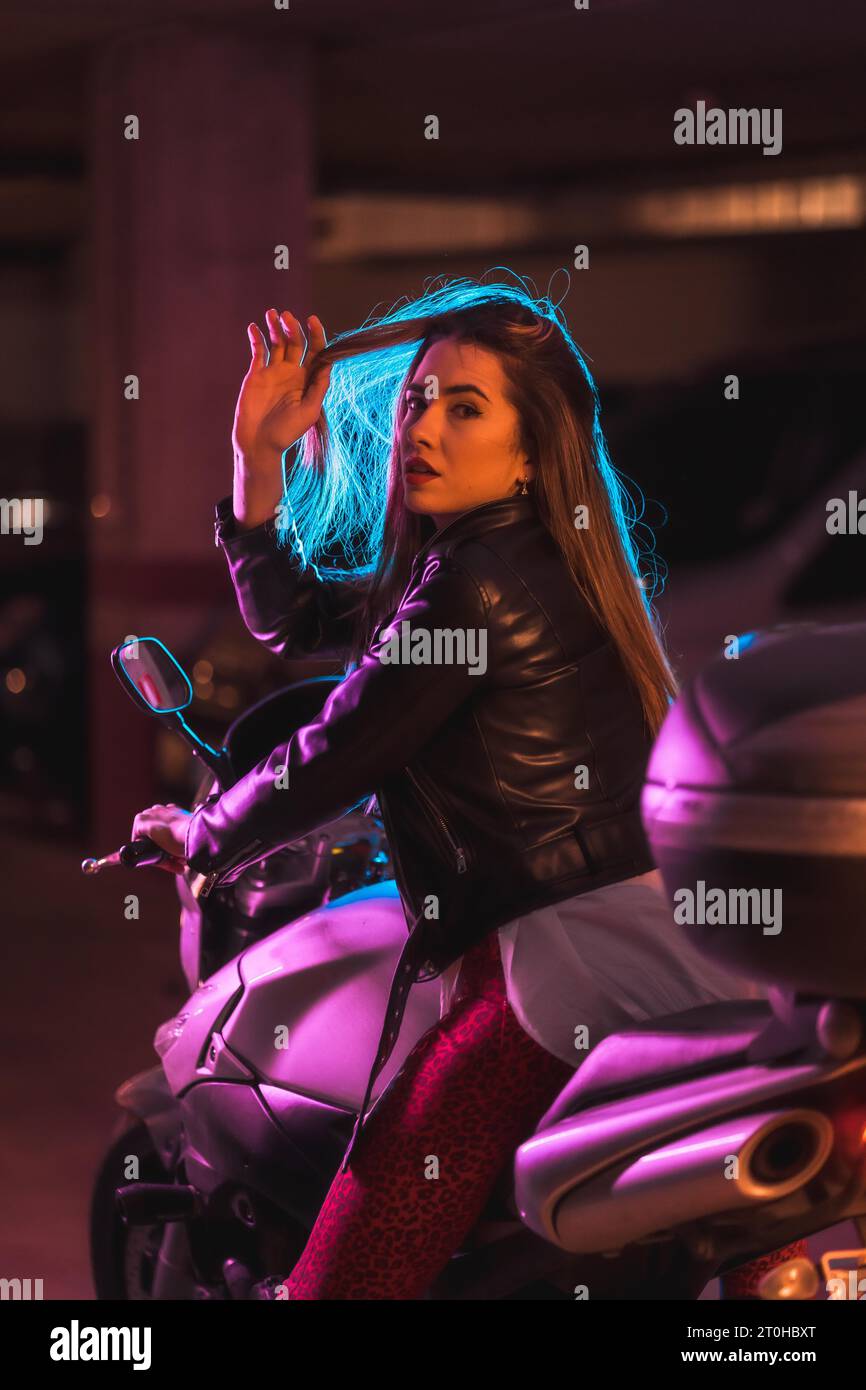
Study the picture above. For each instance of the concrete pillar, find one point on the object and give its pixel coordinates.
(186, 220)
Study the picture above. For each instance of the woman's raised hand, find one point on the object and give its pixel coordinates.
(280, 397)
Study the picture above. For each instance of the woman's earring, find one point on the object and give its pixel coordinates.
(522, 487)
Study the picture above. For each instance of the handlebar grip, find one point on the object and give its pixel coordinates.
(139, 854)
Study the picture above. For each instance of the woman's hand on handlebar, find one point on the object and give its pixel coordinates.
(280, 399)
(166, 826)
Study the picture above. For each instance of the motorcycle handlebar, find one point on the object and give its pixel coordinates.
(137, 854)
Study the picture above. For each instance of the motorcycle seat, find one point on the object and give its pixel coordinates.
(662, 1051)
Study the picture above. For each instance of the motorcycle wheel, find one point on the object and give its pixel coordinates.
(123, 1258)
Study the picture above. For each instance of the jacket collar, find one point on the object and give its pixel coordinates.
(487, 516)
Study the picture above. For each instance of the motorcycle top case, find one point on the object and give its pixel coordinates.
(754, 804)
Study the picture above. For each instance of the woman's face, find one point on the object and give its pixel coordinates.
(458, 422)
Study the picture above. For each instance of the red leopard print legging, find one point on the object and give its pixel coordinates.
(472, 1088)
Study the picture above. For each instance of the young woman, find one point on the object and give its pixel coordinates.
(506, 681)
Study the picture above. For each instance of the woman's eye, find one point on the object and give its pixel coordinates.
(415, 402)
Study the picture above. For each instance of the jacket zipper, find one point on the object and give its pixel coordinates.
(457, 850)
(214, 878)
(399, 872)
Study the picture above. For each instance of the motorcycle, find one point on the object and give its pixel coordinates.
(233, 1139)
(741, 1126)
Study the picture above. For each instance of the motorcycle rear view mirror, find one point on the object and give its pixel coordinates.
(152, 675)
(157, 682)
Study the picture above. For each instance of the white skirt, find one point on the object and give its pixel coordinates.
(598, 962)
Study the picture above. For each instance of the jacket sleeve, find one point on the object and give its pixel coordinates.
(372, 724)
(283, 604)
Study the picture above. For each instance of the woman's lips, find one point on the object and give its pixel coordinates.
(418, 471)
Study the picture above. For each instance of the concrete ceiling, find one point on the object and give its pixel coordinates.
(531, 95)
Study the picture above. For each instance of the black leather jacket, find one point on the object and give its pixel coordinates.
(502, 788)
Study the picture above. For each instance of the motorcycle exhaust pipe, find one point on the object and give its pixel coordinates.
(149, 1203)
(742, 1162)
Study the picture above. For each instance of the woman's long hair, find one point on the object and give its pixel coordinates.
(344, 508)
